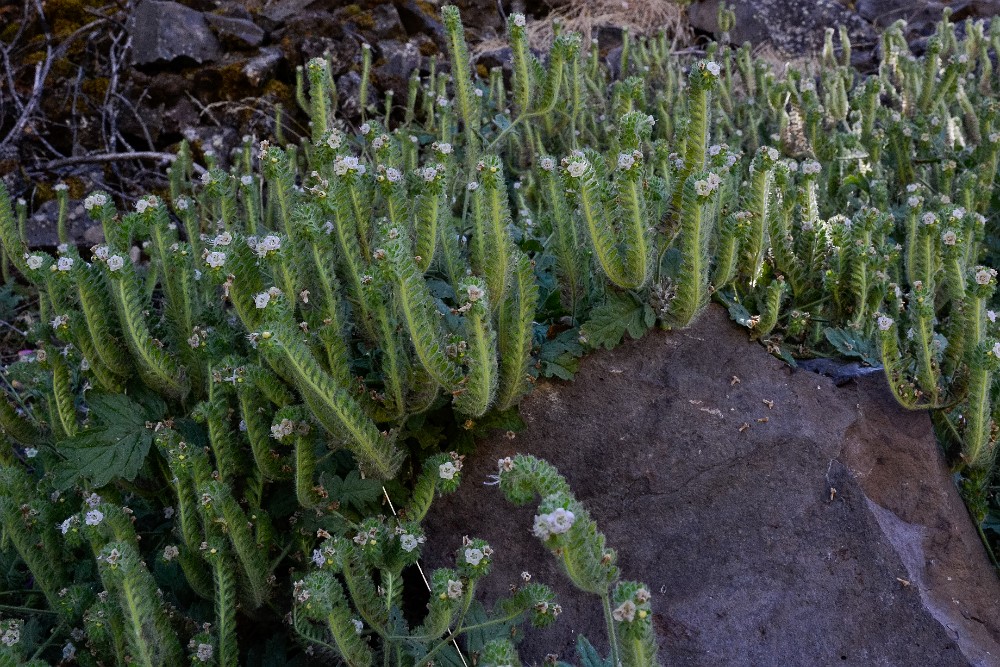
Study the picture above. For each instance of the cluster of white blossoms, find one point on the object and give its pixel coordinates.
(884, 322)
(64, 264)
(811, 167)
(60, 187)
(261, 300)
(267, 245)
(390, 174)
(283, 429)
(323, 556)
(94, 517)
(68, 524)
(170, 552)
(708, 185)
(547, 163)
(949, 237)
(96, 200)
(557, 522)
(712, 68)
(984, 275)
(204, 652)
(475, 293)
(147, 203)
(60, 321)
(577, 166)
(957, 213)
(347, 164)
(215, 259)
(772, 153)
(928, 218)
(430, 174)
(519, 20)
(444, 148)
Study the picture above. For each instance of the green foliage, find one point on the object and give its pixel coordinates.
(308, 324)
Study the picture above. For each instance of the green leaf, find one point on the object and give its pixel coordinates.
(610, 321)
(854, 344)
(353, 491)
(115, 447)
(559, 357)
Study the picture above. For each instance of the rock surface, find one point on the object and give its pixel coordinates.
(165, 31)
(820, 529)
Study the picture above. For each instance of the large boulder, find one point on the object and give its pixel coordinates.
(778, 518)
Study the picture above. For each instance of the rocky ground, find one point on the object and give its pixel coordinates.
(779, 517)
(86, 77)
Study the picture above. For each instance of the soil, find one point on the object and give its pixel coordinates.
(777, 518)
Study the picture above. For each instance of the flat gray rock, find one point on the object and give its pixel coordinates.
(164, 31)
(777, 518)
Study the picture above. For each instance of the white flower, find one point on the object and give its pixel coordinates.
(624, 612)
(714, 181)
(473, 556)
(67, 524)
(429, 173)
(141, 206)
(702, 188)
(11, 635)
(984, 275)
(60, 187)
(30, 452)
(214, 259)
(115, 262)
(505, 464)
(560, 521)
(444, 148)
(928, 218)
(225, 238)
(94, 517)
(65, 263)
(447, 470)
(393, 175)
(93, 500)
(366, 128)
(810, 167)
(333, 141)
(269, 243)
(410, 542)
(454, 589)
(168, 512)
(958, 213)
(884, 323)
(773, 153)
(475, 292)
(713, 68)
(359, 627)
(994, 137)
(348, 163)
(102, 253)
(519, 20)
(68, 652)
(949, 238)
(547, 163)
(625, 161)
(472, 186)
(540, 528)
(576, 168)
(170, 552)
(95, 200)
(246, 179)
(205, 652)
(913, 201)
(442, 101)
(478, 92)
(261, 300)
(996, 349)
(318, 558)
(992, 316)
(714, 150)
(35, 262)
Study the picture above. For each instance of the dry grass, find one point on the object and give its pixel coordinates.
(641, 17)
